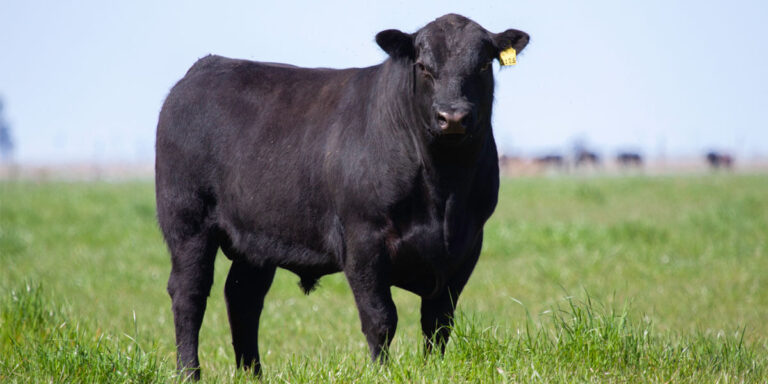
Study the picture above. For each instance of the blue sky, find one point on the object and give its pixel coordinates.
(84, 80)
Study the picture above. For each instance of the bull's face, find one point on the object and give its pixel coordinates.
(451, 60)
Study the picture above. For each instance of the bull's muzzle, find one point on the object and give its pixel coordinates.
(454, 122)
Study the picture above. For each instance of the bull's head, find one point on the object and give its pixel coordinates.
(451, 60)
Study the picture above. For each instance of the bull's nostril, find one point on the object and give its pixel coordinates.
(465, 120)
(454, 122)
(442, 121)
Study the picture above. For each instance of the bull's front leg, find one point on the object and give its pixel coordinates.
(368, 275)
(437, 312)
(437, 320)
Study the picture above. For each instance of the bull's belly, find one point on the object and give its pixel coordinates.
(293, 250)
(419, 260)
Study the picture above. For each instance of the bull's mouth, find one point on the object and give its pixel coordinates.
(453, 139)
(452, 130)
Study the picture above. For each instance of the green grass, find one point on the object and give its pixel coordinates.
(603, 279)
(41, 343)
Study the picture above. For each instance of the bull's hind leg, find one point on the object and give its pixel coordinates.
(245, 290)
(189, 285)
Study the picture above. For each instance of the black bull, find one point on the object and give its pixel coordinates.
(386, 173)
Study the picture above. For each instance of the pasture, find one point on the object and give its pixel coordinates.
(602, 279)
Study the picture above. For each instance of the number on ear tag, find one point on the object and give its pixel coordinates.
(508, 56)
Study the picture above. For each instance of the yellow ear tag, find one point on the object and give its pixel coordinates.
(508, 57)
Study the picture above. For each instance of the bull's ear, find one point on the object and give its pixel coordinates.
(397, 44)
(511, 38)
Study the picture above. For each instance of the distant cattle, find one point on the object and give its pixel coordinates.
(629, 159)
(719, 160)
(555, 161)
(386, 173)
(584, 158)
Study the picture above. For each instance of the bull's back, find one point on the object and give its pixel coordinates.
(252, 138)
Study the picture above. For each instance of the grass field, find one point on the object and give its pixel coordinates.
(635, 279)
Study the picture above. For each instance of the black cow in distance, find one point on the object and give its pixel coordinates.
(629, 159)
(586, 158)
(718, 160)
(386, 173)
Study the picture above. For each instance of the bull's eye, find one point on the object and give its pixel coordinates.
(486, 66)
(424, 70)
